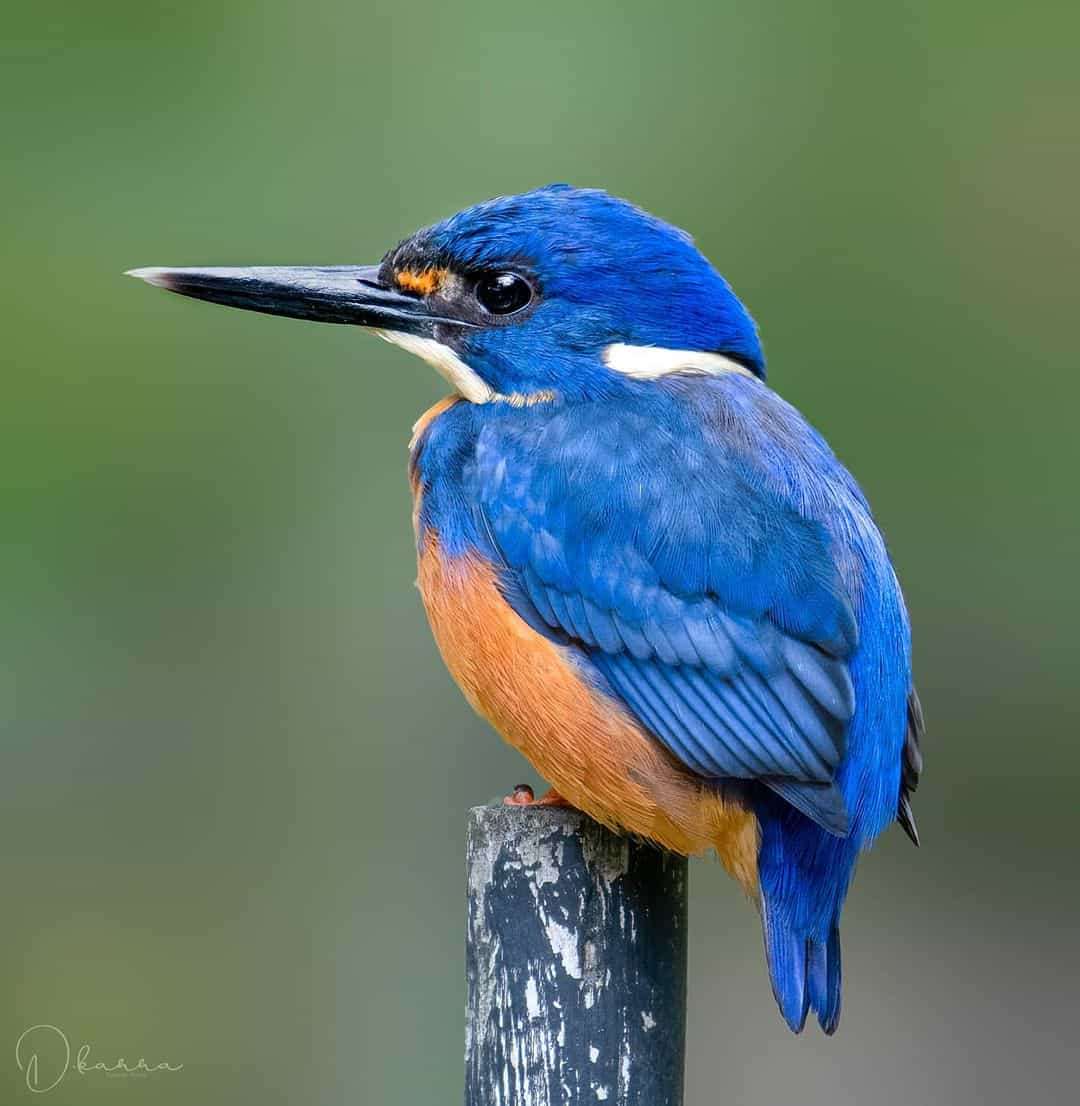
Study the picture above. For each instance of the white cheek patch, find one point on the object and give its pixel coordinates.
(445, 362)
(653, 362)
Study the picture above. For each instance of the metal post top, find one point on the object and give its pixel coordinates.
(511, 818)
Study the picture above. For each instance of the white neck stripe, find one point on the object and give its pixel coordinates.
(639, 362)
(653, 362)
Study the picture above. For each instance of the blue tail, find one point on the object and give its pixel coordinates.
(805, 973)
(824, 977)
(804, 875)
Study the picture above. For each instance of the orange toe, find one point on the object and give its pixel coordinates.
(523, 796)
(551, 797)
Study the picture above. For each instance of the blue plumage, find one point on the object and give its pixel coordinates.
(648, 504)
(600, 261)
(730, 589)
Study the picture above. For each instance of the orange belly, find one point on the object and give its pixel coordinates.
(594, 753)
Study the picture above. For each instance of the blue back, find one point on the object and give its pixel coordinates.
(700, 522)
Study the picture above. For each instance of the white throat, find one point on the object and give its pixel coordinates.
(445, 362)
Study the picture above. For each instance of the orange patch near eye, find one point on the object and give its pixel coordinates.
(423, 283)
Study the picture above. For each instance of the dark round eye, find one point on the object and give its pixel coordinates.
(503, 293)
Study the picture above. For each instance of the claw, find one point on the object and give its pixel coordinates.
(522, 796)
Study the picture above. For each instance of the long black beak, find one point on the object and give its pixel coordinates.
(327, 294)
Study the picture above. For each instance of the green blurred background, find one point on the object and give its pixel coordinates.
(235, 772)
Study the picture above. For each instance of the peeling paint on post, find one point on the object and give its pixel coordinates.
(575, 962)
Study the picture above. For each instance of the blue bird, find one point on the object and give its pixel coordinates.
(640, 564)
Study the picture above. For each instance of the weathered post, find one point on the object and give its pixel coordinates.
(575, 963)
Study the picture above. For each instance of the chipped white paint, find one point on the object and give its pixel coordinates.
(556, 1011)
(653, 362)
(532, 999)
(543, 860)
(564, 944)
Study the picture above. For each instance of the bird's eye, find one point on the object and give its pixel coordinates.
(503, 293)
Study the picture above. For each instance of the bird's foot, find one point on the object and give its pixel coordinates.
(523, 796)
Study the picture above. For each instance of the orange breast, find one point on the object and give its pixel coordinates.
(594, 753)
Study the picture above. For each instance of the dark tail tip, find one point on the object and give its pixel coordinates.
(906, 817)
(911, 766)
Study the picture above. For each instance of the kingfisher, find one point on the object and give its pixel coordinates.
(640, 564)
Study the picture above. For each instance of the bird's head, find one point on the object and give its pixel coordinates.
(559, 292)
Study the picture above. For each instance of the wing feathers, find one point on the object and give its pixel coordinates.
(825, 678)
(703, 593)
(636, 643)
(538, 594)
(658, 712)
(719, 719)
(821, 802)
(603, 627)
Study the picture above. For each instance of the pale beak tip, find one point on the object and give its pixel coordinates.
(157, 277)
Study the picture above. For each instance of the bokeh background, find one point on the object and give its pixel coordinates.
(234, 771)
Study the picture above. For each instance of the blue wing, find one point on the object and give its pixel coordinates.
(695, 590)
